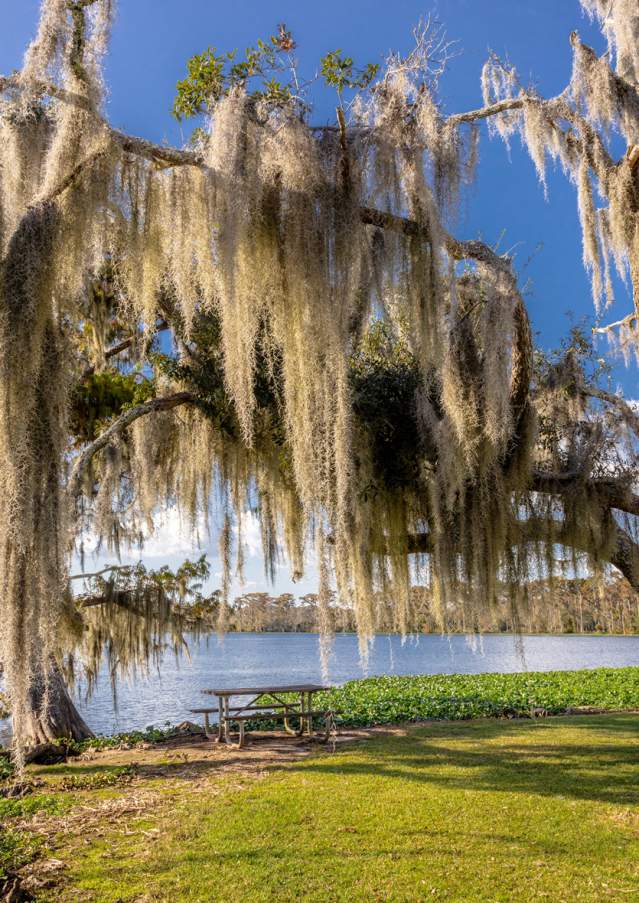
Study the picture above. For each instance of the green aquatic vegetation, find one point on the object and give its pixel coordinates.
(454, 697)
(383, 700)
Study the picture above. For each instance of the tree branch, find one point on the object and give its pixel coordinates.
(459, 250)
(625, 554)
(105, 570)
(44, 88)
(629, 322)
(162, 326)
(613, 493)
(156, 152)
(629, 414)
(493, 109)
(69, 179)
(125, 419)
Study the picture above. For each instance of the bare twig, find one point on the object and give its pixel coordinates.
(105, 570)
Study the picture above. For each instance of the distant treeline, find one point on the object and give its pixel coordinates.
(586, 605)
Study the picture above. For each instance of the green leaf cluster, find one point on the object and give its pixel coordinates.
(212, 75)
(104, 395)
(384, 377)
(339, 72)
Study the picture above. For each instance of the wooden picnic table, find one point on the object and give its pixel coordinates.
(275, 708)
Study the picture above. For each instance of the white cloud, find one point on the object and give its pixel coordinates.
(251, 533)
(172, 537)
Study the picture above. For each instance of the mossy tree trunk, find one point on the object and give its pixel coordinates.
(53, 714)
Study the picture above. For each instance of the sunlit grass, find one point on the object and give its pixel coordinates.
(477, 811)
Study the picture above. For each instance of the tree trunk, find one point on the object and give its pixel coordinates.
(54, 717)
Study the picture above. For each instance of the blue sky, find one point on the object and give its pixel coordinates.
(153, 39)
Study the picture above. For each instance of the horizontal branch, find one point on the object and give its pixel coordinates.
(105, 570)
(493, 109)
(162, 326)
(122, 598)
(629, 414)
(156, 152)
(629, 322)
(121, 423)
(458, 250)
(68, 180)
(8, 83)
(613, 493)
(624, 555)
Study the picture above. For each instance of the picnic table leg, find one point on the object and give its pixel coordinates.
(309, 720)
(220, 720)
(300, 731)
(227, 729)
(291, 730)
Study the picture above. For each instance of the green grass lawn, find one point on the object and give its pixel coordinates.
(475, 811)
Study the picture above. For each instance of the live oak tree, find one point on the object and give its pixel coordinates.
(340, 363)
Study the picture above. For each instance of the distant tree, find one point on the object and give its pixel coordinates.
(339, 362)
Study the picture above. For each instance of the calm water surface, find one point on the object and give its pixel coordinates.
(263, 658)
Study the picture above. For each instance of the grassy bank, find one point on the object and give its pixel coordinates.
(483, 810)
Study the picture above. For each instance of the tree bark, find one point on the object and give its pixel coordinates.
(53, 715)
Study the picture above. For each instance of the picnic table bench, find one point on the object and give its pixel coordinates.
(274, 709)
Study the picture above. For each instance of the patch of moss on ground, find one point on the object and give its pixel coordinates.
(18, 845)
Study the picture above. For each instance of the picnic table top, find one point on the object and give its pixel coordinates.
(254, 691)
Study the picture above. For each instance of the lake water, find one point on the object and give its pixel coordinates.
(262, 658)
(245, 659)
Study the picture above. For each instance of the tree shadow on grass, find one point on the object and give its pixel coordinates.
(190, 769)
(602, 770)
(487, 754)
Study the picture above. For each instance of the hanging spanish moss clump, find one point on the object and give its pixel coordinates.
(571, 129)
(620, 24)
